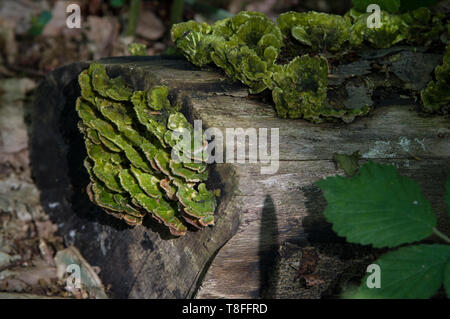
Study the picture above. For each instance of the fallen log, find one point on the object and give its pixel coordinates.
(259, 215)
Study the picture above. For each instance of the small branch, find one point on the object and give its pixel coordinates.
(441, 235)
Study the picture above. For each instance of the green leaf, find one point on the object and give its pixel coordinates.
(447, 195)
(44, 17)
(410, 272)
(391, 6)
(377, 206)
(116, 3)
(38, 24)
(447, 279)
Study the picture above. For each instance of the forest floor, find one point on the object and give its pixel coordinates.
(34, 40)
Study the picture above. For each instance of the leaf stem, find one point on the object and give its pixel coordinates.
(441, 235)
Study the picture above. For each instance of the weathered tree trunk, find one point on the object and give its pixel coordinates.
(259, 216)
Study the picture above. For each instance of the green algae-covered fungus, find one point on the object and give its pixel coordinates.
(436, 96)
(392, 30)
(129, 136)
(300, 91)
(245, 46)
(251, 48)
(423, 26)
(300, 88)
(415, 27)
(251, 51)
(320, 31)
(137, 49)
(195, 40)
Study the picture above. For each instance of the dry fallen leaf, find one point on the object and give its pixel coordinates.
(8, 44)
(309, 260)
(21, 12)
(13, 131)
(20, 198)
(46, 229)
(313, 280)
(46, 253)
(150, 26)
(90, 281)
(102, 33)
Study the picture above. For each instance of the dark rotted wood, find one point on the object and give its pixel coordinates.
(263, 212)
(142, 261)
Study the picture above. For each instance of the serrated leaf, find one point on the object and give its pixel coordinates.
(391, 6)
(377, 206)
(410, 272)
(447, 279)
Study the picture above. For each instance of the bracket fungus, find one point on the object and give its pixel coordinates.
(245, 46)
(436, 96)
(300, 91)
(291, 57)
(316, 29)
(392, 29)
(129, 137)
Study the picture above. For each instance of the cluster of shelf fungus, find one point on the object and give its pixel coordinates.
(131, 138)
(294, 56)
